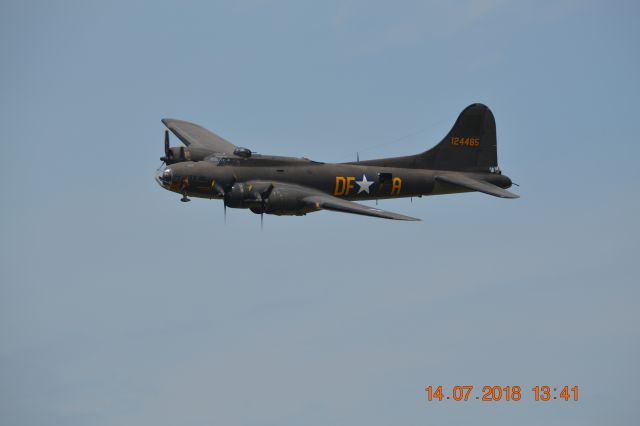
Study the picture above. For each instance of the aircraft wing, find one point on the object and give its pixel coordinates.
(329, 202)
(192, 134)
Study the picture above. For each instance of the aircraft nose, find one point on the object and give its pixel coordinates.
(163, 177)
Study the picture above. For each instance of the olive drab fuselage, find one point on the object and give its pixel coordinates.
(347, 180)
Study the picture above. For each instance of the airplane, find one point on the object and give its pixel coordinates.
(209, 166)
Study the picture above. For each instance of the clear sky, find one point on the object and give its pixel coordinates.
(119, 305)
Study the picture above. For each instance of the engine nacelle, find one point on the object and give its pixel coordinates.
(178, 154)
(243, 196)
(282, 199)
(174, 154)
(286, 201)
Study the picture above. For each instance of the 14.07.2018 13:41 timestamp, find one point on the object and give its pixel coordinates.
(500, 393)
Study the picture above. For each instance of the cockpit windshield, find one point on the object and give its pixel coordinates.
(225, 161)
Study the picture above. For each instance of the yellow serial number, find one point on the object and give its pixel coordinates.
(465, 141)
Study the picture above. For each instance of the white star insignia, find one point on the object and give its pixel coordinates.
(364, 184)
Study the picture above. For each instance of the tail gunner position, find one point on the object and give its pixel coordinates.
(211, 167)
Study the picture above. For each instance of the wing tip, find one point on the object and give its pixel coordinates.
(398, 216)
(409, 219)
(509, 195)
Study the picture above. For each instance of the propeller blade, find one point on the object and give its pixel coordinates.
(265, 194)
(264, 197)
(167, 151)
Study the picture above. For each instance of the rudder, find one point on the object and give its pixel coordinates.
(470, 145)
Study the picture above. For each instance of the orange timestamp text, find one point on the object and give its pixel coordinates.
(501, 393)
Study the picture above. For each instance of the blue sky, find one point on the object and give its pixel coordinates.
(121, 305)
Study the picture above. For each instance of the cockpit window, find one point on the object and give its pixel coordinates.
(228, 162)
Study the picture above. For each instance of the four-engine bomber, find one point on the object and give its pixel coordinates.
(211, 167)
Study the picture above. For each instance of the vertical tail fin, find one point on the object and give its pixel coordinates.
(470, 145)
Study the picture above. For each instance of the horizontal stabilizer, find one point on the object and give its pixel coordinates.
(476, 185)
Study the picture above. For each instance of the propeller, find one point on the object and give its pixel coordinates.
(223, 190)
(168, 154)
(264, 197)
(220, 190)
(166, 141)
